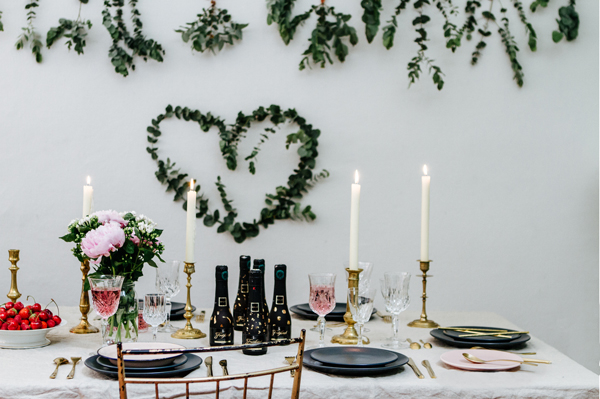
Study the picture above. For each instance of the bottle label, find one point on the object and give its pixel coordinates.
(254, 341)
(222, 301)
(279, 300)
(255, 307)
(244, 289)
(239, 321)
(279, 335)
(223, 337)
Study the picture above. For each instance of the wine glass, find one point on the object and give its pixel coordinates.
(394, 288)
(322, 299)
(167, 282)
(364, 278)
(155, 311)
(360, 303)
(106, 291)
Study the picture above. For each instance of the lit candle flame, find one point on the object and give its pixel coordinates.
(356, 177)
(425, 169)
(88, 180)
(192, 185)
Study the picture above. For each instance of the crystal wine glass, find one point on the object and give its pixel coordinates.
(360, 303)
(394, 288)
(322, 298)
(167, 282)
(155, 311)
(364, 278)
(106, 291)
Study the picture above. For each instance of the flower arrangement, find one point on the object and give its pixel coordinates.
(117, 244)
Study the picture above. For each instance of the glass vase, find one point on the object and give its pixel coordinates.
(123, 325)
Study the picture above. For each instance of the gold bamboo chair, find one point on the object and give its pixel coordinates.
(295, 368)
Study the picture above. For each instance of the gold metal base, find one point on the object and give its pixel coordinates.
(84, 327)
(423, 322)
(350, 336)
(188, 332)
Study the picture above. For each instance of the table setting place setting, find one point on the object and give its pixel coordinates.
(113, 248)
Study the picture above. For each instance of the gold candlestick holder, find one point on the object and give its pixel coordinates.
(423, 322)
(188, 332)
(84, 326)
(350, 336)
(13, 257)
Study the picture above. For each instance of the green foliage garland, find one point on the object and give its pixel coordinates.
(212, 30)
(29, 33)
(327, 37)
(283, 204)
(138, 44)
(75, 31)
(568, 23)
(372, 11)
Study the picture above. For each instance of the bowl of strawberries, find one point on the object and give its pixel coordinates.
(25, 326)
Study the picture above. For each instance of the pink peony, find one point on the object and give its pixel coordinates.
(110, 216)
(134, 239)
(102, 241)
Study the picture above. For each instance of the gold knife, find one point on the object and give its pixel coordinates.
(428, 367)
(413, 366)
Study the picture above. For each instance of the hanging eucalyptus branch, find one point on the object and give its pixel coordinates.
(75, 31)
(138, 44)
(212, 30)
(327, 37)
(29, 33)
(283, 204)
(1, 26)
(371, 14)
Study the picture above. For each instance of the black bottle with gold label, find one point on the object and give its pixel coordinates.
(240, 307)
(280, 322)
(256, 318)
(260, 265)
(221, 321)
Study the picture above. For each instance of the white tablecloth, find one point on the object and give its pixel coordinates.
(24, 373)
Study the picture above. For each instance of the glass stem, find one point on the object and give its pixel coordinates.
(104, 328)
(395, 327)
(322, 330)
(360, 334)
(154, 332)
(168, 307)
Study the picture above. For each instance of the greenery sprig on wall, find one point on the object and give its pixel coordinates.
(138, 44)
(568, 22)
(30, 35)
(283, 204)
(212, 30)
(75, 31)
(1, 26)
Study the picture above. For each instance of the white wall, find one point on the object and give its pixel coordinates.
(514, 192)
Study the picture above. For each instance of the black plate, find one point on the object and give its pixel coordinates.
(340, 308)
(354, 356)
(313, 316)
(488, 338)
(439, 334)
(192, 363)
(354, 371)
(178, 361)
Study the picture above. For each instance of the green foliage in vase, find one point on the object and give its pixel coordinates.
(281, 205)
(30, 35)
(138, 44)
(332, 29)
(371, 17)
(213, 30)
(75, 31)
(280, 12)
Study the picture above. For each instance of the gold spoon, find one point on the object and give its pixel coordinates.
(426, 345)
(291, 360)
(475, 359)
(58, 361)
(498, 350)
(386, 318)
(223, 364)
(75, 360)
(413, 345)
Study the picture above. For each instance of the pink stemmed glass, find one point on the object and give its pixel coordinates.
(106, 291)
(322, 299)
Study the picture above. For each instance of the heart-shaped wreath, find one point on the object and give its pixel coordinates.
(283, 204)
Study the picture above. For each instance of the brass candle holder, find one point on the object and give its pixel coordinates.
(84, 326)
(350, 336)
(13, 257)
(188, 332)
(423, 322)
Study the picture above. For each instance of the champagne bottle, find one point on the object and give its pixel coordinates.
(241, 301)
(221, 321)
(260, 265)
(256, 328)
(280, 322)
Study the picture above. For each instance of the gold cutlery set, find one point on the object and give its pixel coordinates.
(60, 361)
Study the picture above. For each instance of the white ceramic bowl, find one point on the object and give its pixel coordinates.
(26, 339)
(151, 360)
